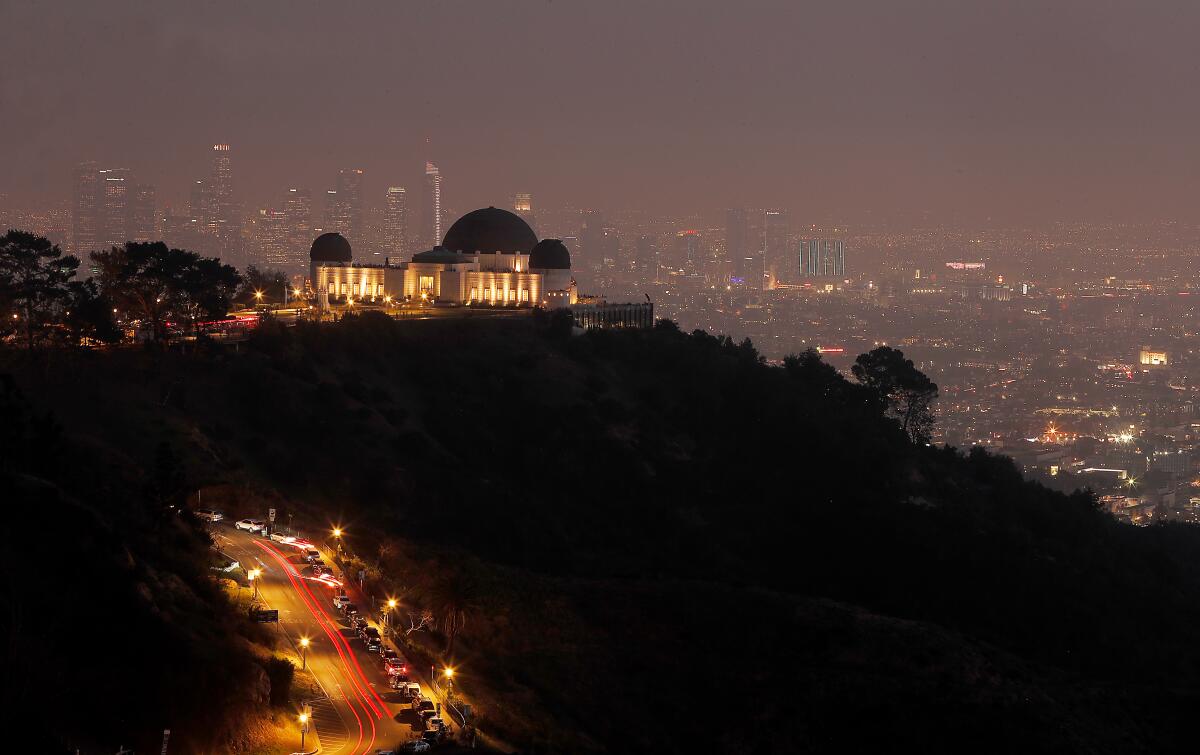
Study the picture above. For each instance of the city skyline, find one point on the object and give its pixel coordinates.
(894, 121)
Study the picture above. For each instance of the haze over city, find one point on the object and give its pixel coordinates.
(1017, 112)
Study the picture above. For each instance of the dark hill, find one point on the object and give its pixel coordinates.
(675, 548)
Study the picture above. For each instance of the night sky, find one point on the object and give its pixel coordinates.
(1005, 110)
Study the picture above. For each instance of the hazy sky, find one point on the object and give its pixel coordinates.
(1015, 110)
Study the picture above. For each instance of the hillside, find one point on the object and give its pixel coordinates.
(668, 546)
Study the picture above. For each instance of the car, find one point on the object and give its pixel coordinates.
(396, 667)
(431, 737)
(373, 644)
(340, 600)
(369, 631)
(414, 690)
(349, 609)
(319, 569)
(416, 745)
(248, 524)
(279, 537)
(435, 723)
(422, 703)
(357, 622)
(312, 555)
(399, 685)
(211, 515)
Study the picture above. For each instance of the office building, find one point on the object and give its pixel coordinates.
(431, 210)
(223, 220)
(143, 222)
(776, 246)
(350, 213)
(115, 185)
(85, 209)
(297, 206)
(395, 221)
(822, 258)
(742, 253)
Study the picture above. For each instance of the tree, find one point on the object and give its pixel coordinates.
(454, 597)
(270, 283)
(34, 278)
(904, 392)
(153, 283)
(89, 315)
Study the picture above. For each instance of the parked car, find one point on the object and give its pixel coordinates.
(339, 601)
(435, 723)
(248, 524)
(370, 631)
(415, 745)
(413, 691)
(356, 623)
(312, 556)
(319, 569)
(423, 703)
(211, 515)
(279, 537)
(349, 608)
(373, 644)
(431, 737)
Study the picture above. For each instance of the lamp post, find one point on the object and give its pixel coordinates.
(387, 615)
(449, 674)
(304, 643)
(303, 728)
(252, 575)
(337, 535)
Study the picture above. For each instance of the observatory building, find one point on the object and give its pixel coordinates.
(489, 257)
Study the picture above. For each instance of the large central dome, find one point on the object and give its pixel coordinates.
(489, 231)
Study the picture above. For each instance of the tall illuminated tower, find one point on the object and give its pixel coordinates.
(85, 208)
(115, 187)
(776, 240)
(223, 219)
(297, 206)
(350, 204)
(395, 221)
(431, 211)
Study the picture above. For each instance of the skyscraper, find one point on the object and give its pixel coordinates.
(223, 220)
(737, 247)
(523, 206)
(337, 214)
(85, 208)
(431, 210)
(688, 251)
(115, 187)
(776, 235)
(647, 257)
(350, 205)
(271, 232)
(395, 222)
(822, 258)
(297, 206)
(143, 225)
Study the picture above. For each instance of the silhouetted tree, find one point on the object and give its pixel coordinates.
(454, 597)
(154, 283)
(272, 284)
(89, 315)
(33, 280)
(905, 392)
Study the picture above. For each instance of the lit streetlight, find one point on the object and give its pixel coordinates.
(337, 535)
(253, 575)
(448, 673)
(303, 728)
(304, 643)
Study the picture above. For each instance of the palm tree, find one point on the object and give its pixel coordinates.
(454, 597)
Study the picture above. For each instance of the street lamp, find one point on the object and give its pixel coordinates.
(449, 674)
(252, 575)
(303, 728)
(387, 614)
(337, 535)
(304, 643)
(258, 295)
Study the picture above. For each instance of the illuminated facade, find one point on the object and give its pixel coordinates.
(488, 257)
(1149, 357)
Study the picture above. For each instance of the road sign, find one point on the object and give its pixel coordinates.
(271, 514)
(264, 615)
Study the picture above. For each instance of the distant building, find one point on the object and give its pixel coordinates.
(350, 211)
(777, 232)
(822, 258)
(1151, 357)
(85, 209)
(646, 257)
(297, 207)
(224, 221)
(688, 251)
(395, 221)
(271, 230)
(143, 221)
(745, 262)
(431, 209)
(115, 187)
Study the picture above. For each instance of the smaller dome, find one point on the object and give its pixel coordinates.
(550, 254)
(330, 247)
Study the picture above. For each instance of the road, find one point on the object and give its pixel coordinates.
(360, 713)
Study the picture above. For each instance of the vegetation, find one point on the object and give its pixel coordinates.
(652, 541)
